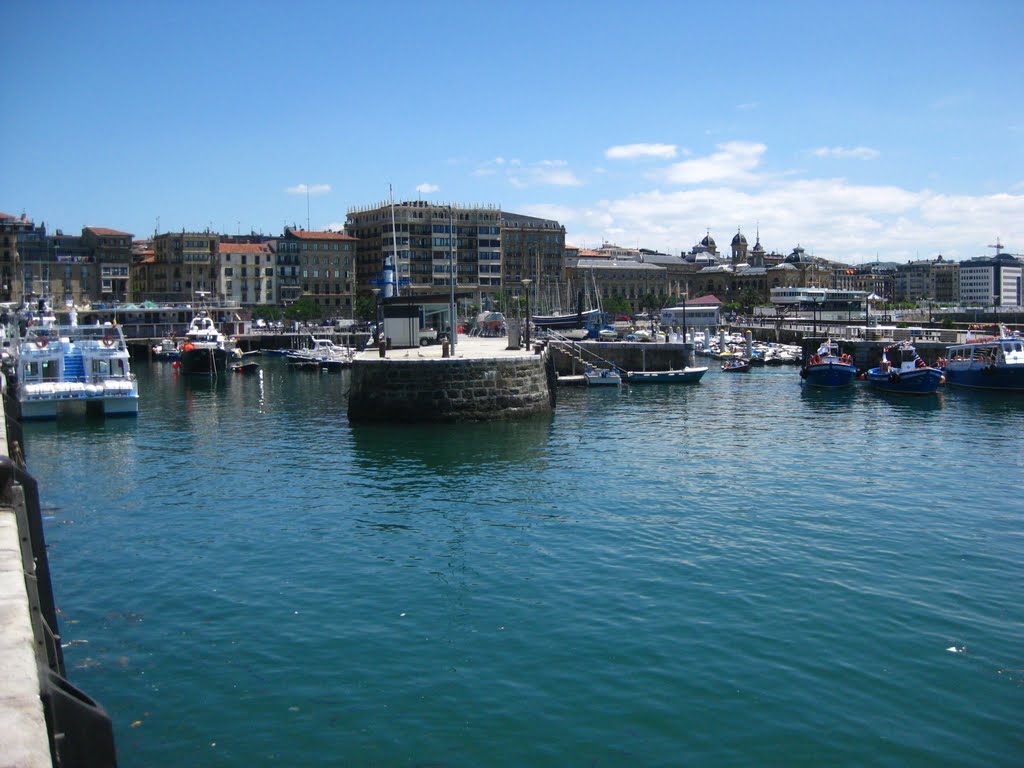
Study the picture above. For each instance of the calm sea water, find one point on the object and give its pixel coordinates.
(734, 573)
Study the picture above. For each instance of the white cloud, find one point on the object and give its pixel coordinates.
(633, 151)
(427, 189)
(748, 106)
(829, 217)
(545, 172)
(735, 161)
(844, 153)
(309, 189)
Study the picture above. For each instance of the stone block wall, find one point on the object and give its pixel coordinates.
(451, 389)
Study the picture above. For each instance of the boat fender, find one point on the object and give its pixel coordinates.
(803, 373)
(108, 341)
(894, 378)
(42, 343)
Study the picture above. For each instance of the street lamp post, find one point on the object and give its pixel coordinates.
(526, 289)
(376, 312)
(454, 330)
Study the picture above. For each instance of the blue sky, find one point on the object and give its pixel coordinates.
(859, 130)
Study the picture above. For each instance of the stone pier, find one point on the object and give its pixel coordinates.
(482, 381)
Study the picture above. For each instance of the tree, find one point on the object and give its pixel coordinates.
(366, 308)
(267, 312)
(304, 310)
(617, 305)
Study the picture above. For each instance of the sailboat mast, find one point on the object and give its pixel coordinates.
(394, 240)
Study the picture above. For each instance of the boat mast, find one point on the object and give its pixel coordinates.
(394, 242)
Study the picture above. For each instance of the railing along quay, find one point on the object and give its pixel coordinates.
(44, 719)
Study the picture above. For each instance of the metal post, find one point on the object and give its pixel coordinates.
(451, 267)
(526, 289)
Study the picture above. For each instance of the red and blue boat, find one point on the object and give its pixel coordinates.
(903, 371)
(828, 369)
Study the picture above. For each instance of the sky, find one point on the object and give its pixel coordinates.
(860, 131)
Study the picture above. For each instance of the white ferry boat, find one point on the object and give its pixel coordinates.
(60, 366)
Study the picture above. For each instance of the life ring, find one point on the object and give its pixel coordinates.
(108, 341)
(42, 342)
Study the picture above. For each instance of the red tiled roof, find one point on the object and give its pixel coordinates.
(101, 231)
(302, 234)
(709, 299)
(244, 248)
(7, 216)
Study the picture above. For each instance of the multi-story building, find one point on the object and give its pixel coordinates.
(994, 281)
(491, 250)
(425, 240)
(927, 280)
(531, 248)
(66, 273)
(246, 273)
(318, 265)
(183, 264)
(638, 282)
(15, 231)
(82, 268)
(110, 269)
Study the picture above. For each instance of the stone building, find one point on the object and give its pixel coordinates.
(111, 252)
(635, 281)
(934, 280)
(182, 264)
(318, 265)
(85, 268)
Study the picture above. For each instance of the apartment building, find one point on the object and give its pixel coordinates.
(246, 273)
(317, 265)
(182, 265)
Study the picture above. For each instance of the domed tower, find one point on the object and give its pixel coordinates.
(757, 255)
(709, 243)
(739, 249)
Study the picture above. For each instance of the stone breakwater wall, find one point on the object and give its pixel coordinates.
(451, 389)
(628, 356)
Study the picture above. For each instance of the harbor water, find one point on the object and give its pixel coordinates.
(738, 572)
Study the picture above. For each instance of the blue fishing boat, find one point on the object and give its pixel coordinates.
(993, 361)
(903, 371)
(829, 369)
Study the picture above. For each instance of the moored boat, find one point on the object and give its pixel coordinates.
(322, 353)
(78, 365)
(167, 349)
(602, 377)
(829, 369)
(203, 351)
(684, 376)
(988, 362)
(903, 371)
(735, 365)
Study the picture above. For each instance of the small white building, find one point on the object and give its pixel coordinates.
(704, 312)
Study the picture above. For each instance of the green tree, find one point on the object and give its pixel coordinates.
(366, 308)
(304, 310)
(267, 312)
(617, 305)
